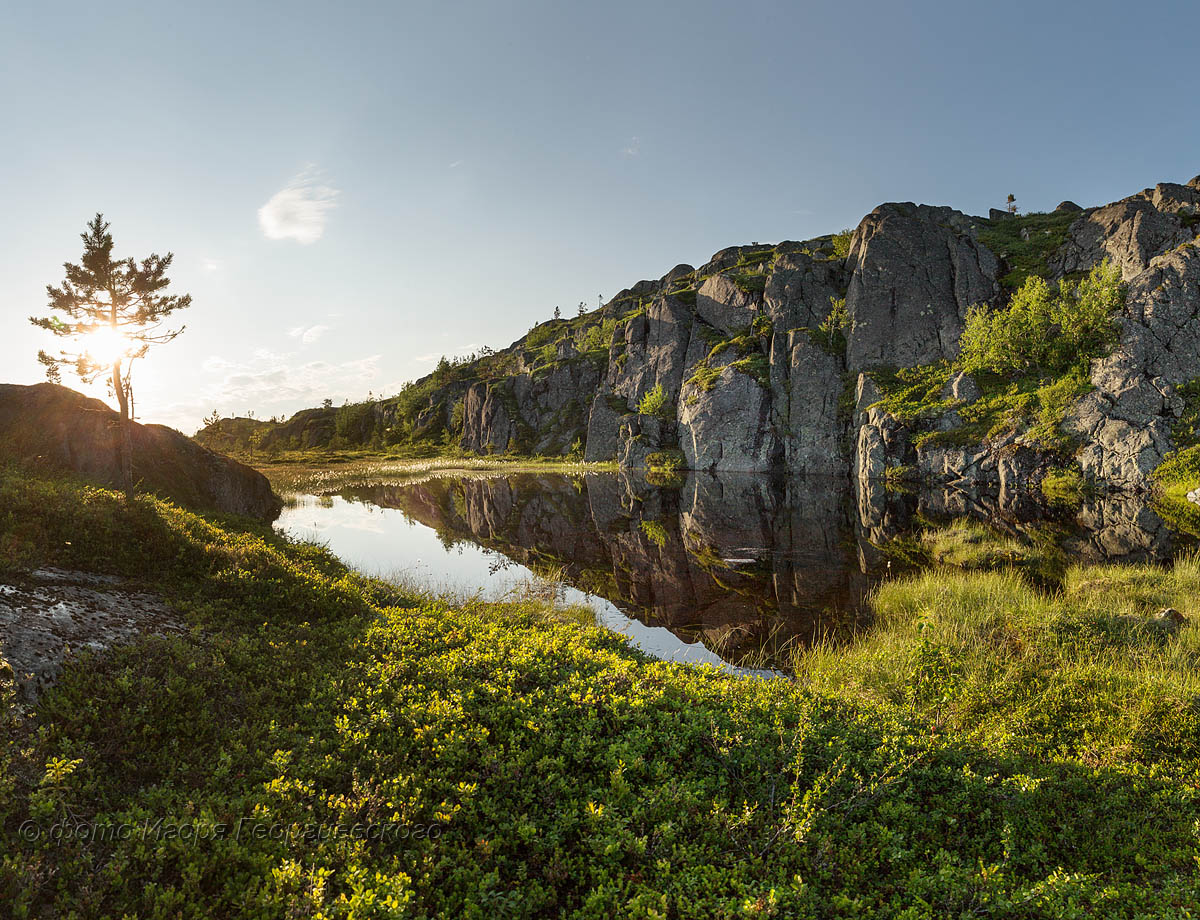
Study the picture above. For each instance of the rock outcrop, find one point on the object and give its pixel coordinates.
(752, 356)
(1130, 232)
(47, 426)
(1125, 423)
(914, 272)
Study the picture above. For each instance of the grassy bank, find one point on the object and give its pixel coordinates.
(321, 475)
(987, 751)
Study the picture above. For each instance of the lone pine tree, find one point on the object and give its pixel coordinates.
(115, 310)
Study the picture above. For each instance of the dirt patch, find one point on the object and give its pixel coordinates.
(53, 615)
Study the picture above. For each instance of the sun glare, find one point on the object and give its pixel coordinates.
(106, 346)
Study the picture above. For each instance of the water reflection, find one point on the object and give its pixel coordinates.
(739, 568)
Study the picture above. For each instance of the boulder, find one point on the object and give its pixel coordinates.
(47, 426)
(962, 387)
(1067, 207)
(678, 273)
(604, 423)
(1128, 233)
(914, 272)
(724, 305)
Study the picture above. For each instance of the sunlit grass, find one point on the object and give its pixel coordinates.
(319, 478)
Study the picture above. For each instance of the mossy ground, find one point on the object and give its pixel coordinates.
(1033, 406)
(988, 749)
(1026, 242)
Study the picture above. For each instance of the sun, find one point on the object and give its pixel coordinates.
(106, 346)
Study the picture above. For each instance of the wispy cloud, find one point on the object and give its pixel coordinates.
(455, 164)
(633, 148)
(271, 383)
(308, 334)
(452, 353)
(210, 265)
(299, 210)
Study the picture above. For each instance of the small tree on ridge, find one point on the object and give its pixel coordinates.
(115, 310)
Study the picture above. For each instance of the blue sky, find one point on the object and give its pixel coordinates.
(353, 189)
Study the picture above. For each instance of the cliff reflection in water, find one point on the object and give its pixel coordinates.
(754, 566)
(743, 563)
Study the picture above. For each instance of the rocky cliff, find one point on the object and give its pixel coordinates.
(767, 356)
(51, 427)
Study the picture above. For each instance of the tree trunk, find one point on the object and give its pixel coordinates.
(126, 433)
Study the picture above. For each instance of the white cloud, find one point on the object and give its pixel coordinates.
(453, 353)
(633, 148)
(272, 384)
(299, 210)
(211, 265)
(455, 164)
(308, 334)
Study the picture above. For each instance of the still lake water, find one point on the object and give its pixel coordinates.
(732, 570)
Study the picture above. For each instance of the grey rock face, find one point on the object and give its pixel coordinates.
(639, 436)
(915, 271)
(799, 289)
(604, 423)
(1125, 422)
(1068, 207)
(654, 351)
(1128, 233)
(728, 427)
(724, 305)
(814, 434)
(487, 427)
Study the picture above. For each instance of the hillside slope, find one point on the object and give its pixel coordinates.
(774, 356)
(52, 428)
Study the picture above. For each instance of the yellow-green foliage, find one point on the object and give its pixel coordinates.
(655, 532)
(1066, 674)
(1045, 330)
(655, 402)
(1179, 473)
(665, 461)
(841, 243)
(985, 750)
(1026, 242)
(1064, 487)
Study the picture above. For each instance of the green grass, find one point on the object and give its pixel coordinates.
(1047, 232)
(315, 476)
(1032, 406)
(1179, 473)
(665, 461)
(1065, 487)
(987, 749)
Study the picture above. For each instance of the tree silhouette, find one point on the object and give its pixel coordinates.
(115, 310)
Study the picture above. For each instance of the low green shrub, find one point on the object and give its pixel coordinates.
(986, 748)
(665, 461)
(655, 402)
(1044, 331)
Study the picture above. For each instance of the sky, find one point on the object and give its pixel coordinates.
(352, 190)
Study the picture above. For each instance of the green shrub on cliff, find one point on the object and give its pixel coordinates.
(841, 243)
(1044, 330)
(655, 402)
